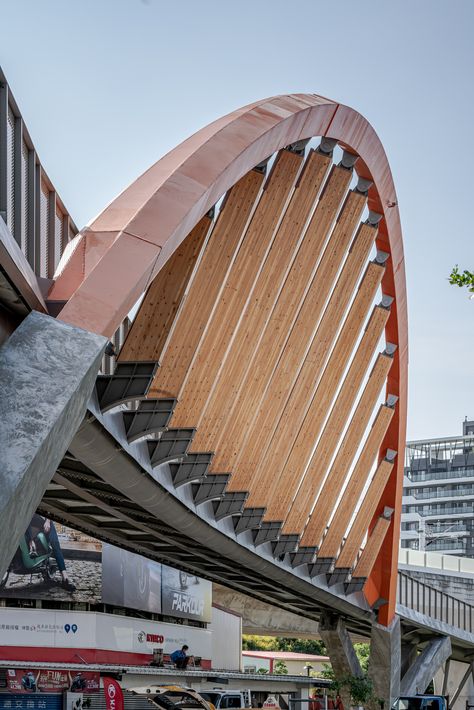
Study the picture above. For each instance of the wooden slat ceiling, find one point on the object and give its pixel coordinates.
(268, 330)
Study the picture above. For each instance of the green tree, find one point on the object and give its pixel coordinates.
(363, 653)
(252, 642)
(463, 280)
(280, 668)
(313, 646)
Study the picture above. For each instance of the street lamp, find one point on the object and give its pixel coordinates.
(308, 668)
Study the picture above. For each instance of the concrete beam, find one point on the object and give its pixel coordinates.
(427, 664)
(264, 619)
(384, 663)
(47, 373)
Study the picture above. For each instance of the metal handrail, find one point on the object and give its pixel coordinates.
(29, 203)
(418, 477)
(441, 493)
(434, 603)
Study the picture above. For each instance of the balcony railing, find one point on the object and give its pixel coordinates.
(418, 477)
(445, 511)
(434, 603)
(436, 529)
(442, 493)
(29, 203)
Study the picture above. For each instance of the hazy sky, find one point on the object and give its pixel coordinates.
(108, 86)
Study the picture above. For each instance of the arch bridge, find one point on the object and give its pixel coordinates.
(248, 423)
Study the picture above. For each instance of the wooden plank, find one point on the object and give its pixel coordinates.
(260, 307)
(364, 515)
(347, 451)
(299, 370)
(372, 549)
(208, 281)
(335, 424)
(152, 324)
(353, 491)
(229, 440)
(214, 346)
(287, 478)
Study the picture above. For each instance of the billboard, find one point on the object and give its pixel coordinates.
(138, 583)
(54, 562)
(130, 580)
(51, 681)
(185, 595)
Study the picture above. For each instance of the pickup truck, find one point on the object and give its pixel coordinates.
(224, 699)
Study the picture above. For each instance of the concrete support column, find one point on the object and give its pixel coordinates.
(456, 681)
(340, 649)
(47, 374)
(409, 652)
(426, 665)
(384, 663)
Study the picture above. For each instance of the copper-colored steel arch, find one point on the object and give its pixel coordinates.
(119, 254)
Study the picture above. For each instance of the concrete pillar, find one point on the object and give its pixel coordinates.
(409, 652)
(340, 649)
(426, 665)
(384, 662)
(47, 373)
(458, 688)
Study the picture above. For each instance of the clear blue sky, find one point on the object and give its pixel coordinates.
(108, 86)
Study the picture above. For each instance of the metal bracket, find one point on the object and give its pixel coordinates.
(298, 147)
(212, 487)
(231, 503)
(131, 380)
(321, 566)
(348, 160)
(192, 468)
(171, 445)
(363, 186)
(327, 146)
(303, 556)
(356, 584)
(151, 417)
(267, 532)
(285, 543)
(338, 575)
(250, 518)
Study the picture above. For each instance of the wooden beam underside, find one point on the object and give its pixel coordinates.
(327, 445)
(265, 326)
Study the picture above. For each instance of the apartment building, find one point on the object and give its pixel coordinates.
(438, 494)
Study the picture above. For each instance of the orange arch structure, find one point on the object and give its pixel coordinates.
(143, 233)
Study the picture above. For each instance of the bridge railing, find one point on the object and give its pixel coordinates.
(434, 603)
(29, 203)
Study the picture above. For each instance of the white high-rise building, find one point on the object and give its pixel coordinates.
(438, 494)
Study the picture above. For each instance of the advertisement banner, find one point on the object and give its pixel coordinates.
(130, 580)
(51, 681)
(113, 694)
(55, 563)
(185, 595)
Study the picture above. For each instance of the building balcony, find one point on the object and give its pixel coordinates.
(414, 477)
(438, 512)
(443, 493)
